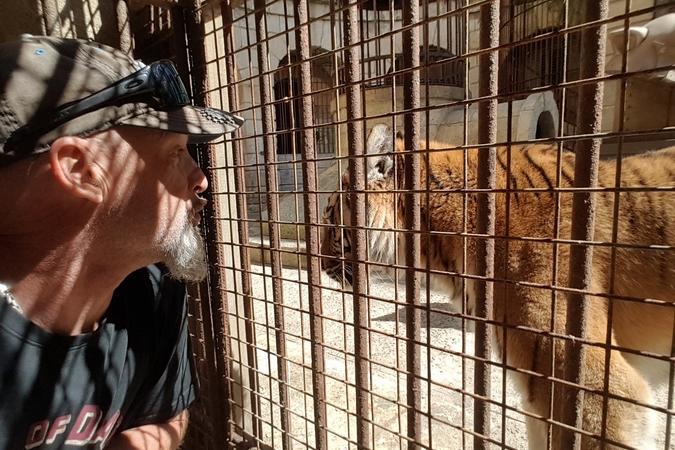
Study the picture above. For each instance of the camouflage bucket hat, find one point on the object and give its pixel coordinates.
(52, 87)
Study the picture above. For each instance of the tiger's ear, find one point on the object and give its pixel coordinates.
(380, 148)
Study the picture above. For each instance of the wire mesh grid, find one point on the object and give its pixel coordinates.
(499, 274)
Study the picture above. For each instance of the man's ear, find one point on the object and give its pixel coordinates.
(73, 168)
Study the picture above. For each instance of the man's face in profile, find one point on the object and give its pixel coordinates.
(158, 192)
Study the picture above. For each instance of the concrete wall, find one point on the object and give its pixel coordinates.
(648, 103)
(644, 106)
(326, 35)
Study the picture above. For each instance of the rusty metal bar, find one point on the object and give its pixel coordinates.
(569, 405)
(242, 212)
(312, 243)
(503, 263)
(124, 27)
(397, 175)
(301, 256)
(358, 218)
(427, 194)
(51, 19)
(205, 359)
(556, 223)
(485, 205)
(269, 149)
(413, 219)
(217, 406)
(217, 326)
(178, 38)
(615, 234)
(336, 37)
(465, 165)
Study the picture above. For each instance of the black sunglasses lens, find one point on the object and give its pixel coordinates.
(172, 90)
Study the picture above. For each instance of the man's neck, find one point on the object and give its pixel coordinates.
(61, 298)
(60, 266)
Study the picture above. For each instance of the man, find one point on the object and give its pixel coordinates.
(96, 185)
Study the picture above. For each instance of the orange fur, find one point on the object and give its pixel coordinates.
(645, 218)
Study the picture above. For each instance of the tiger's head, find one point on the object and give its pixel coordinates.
(381, 210)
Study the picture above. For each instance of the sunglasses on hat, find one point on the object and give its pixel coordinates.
(157, 84)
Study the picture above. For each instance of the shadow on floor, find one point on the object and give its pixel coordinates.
(438, 317)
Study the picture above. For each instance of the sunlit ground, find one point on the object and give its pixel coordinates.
(440, 363)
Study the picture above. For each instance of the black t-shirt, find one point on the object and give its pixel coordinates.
(78, 391)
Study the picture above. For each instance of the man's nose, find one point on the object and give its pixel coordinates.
(198, 181)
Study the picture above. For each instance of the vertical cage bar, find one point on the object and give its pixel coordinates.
(336, 39)
(242, 211)
(463, 283)
(51, 20)
(124, 27)
(615, 232)
(503, 263)
(205, 359)
(485, 220)
(358, 217)
(179, 34)
(570, 404)
(310, 198)
(216, 323)
(217, 369)
(397, 296)
(413, 220)
(269, 150)
(556, 221)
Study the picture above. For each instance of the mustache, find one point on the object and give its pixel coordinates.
(198, 204)
(194, 213)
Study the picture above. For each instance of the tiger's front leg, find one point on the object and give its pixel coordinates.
(626, 423)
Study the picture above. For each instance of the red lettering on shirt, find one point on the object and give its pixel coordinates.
(58, 427)
(36, 434)
(85, 425)
(105, 430)
(87, 429)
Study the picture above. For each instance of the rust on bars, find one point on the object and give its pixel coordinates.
(485, 214)
(615, 234)
(570, 404)
(179, 32)
(124, 27)
(216, 323)
(242, 212)
(413, 220)
(308, 153)
(556, 221)
(328, 371)
(357, 185)
(216, 367)
(239, 175)
(269, 149)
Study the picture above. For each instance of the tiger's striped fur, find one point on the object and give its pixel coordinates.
(645, 218)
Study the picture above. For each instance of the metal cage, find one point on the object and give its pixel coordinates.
(289, 359)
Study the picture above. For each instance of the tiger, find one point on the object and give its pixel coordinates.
(644, 267)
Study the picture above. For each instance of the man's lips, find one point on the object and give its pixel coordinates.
(196, 213)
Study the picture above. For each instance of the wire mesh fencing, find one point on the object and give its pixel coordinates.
(445, 224)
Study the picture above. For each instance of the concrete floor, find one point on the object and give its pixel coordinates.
(442, 397)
